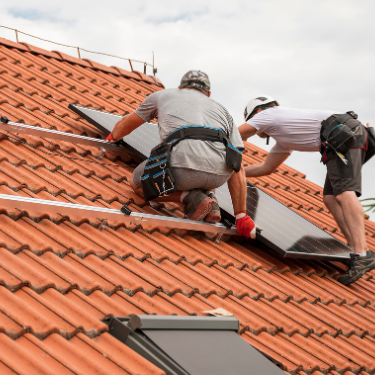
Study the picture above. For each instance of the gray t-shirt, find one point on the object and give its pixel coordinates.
(175, 108)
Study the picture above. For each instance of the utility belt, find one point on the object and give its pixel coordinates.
(370, 144)
(158, 178)
(337, 136)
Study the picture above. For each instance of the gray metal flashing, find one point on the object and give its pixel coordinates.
(62, 208)
(120, 329)
(150, 351)
(166, 322)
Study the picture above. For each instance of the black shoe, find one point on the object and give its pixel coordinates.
(214, 215)
(197, 205)
(357, 267)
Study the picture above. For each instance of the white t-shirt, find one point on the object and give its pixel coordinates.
(292, 128)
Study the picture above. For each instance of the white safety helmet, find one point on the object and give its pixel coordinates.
(257, 102)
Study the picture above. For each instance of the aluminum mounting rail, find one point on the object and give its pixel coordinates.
(62, 208)
(14, 127)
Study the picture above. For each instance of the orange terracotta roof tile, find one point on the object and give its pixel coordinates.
(9, 43)
(144, 77)
(37, 50)
(96, 65)
(126, 73)
(71, 59)
(61, 275)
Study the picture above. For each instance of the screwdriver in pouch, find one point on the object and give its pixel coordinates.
(341, 156)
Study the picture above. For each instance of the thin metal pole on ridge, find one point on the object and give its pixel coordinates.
(62, 208)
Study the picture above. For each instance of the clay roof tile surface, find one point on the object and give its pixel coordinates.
(61, 275)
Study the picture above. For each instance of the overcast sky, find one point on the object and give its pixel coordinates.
(308, 54)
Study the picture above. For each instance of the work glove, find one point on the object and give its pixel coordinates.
(110, 138)
(246, 227)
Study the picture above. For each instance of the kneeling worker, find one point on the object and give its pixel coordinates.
(200, 150)
(343, 143)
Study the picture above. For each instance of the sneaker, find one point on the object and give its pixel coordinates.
(197, 205)
(357, 267)
(214, 215)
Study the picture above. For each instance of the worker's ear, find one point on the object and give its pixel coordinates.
(209, 94)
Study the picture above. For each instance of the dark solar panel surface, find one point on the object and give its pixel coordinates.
(284, 230)
(140, 141)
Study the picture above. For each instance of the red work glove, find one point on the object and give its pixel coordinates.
(246, 227)
(110, 138)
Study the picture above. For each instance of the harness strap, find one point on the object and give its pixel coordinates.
(197, 132)
(205, 133)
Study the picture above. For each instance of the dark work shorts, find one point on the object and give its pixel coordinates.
(341, 177)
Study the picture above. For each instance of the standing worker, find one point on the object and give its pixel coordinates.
(200, 150)
(344, 144)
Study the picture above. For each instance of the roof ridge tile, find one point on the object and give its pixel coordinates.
(9, 43)
(71, 59)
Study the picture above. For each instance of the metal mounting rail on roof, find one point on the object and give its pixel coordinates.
(62, 208)
(14, 127)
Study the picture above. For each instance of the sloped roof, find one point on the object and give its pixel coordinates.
(61, 275)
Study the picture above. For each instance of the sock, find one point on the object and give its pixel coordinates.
(362, 254)
(183, 195)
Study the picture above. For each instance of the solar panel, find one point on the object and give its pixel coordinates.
(284, 231)
(139, 142)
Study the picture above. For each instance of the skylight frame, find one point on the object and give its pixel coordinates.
(182, 345)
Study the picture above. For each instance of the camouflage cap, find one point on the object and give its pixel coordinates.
(196, 78)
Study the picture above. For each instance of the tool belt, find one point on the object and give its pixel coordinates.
(158, 179)
(370, 144)
(338, 136)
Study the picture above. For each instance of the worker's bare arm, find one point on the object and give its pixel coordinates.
(273, 160)
(126, 125)
(238, 190)
(246, 131)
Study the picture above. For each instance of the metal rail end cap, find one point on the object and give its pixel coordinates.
(4, 119)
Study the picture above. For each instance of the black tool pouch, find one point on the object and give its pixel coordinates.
(340, 137)
(370, 152)
(337, 135)
(233, 158)
(158, 178)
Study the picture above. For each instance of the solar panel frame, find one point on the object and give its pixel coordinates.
(276, 234)
(108, 121)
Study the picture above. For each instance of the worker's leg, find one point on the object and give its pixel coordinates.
(362, 260)
(195, 184)
(334, 207)
(354, 217)
(346, 184)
